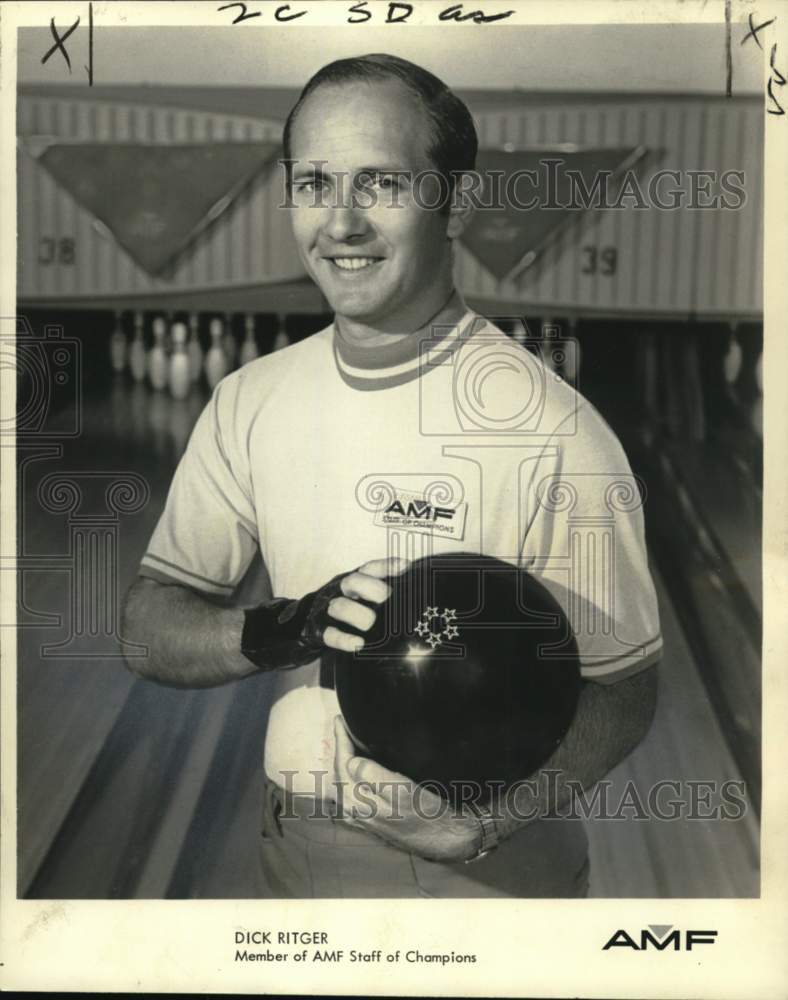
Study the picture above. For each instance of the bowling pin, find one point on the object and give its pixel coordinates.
(731, 363)
(194, 350)
(117, 346)
(249, 347)
(215, 359)
(281, 339)
(137, 356)
(519, 332)
(571, 351)
(756, 416)
(229, 345)
(168, 334)
(157, 359)
(179, 375)
(547, 345)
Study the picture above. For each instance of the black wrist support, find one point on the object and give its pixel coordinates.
(283, 633)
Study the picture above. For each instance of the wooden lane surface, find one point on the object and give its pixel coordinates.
(67, 707)
(683, 857)
(724, 489)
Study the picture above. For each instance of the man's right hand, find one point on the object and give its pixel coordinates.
(368, 583)
(289, 633)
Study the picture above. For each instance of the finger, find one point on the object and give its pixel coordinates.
(381, 568)
(364, 769)
(343, 641)
(343, 749)
(361, 586)
(357, 770)
(388, 785)
(344, 743)
(343, 752)
(351, 613)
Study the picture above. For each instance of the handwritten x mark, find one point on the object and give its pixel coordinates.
(753, 32)
(59, 39)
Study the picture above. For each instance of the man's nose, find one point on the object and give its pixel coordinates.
(345, 220)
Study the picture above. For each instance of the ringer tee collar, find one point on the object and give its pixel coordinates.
(388, 365)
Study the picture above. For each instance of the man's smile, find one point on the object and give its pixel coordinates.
(353, 263)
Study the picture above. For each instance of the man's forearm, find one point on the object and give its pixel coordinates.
(190, 641)
(609, 723)
(195, 643)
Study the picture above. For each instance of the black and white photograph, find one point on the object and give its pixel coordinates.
(386, 511)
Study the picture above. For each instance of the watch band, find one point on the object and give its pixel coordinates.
(490, 839)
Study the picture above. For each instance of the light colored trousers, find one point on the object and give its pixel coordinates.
(322, 857)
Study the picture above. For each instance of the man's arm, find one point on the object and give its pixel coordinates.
(194, 643)
(609, 723)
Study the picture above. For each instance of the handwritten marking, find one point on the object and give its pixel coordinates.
(728, 56)
(456, 13)
(397, 12)
(89, 68)
(403, 16)
(359, 8)
(60, 46)
(780, 77)
(776, 78)
(753, 32)
(279, 16)
(59, 40)
(243, 16)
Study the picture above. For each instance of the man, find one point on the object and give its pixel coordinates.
(290, 463)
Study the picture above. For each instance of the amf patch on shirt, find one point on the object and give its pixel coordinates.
(416, 513)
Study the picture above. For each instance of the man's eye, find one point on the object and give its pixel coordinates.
(308, 186)
(383, 182)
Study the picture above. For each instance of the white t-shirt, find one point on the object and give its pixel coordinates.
(318, 458)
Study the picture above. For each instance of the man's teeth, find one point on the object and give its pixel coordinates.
(354, 263)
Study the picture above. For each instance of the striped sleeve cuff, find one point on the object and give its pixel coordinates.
(163, 571)
(610, 670)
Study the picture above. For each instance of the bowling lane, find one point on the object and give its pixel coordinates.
(68, 704)
(722, 485)
(682, 857)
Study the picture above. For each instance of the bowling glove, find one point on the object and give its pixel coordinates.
(282, 634)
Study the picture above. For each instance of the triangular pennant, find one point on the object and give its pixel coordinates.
(660, 930)
(155, 199)
(507, 234)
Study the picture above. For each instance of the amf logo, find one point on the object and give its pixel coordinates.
(661, 937)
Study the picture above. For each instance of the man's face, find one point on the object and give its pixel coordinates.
(380, 259)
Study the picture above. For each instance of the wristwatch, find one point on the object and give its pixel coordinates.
(490, 839)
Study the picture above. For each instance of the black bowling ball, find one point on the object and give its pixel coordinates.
(469, 675)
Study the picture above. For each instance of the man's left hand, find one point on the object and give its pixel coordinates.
(398, 811)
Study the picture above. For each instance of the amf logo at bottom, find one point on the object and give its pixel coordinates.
(660, 937)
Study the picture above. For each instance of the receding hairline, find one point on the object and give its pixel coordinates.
(390, 83)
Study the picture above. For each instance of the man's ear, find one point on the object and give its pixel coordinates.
(461, 206)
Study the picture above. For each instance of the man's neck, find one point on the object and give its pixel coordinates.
(360, 335)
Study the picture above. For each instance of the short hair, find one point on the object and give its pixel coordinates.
(454, 141)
